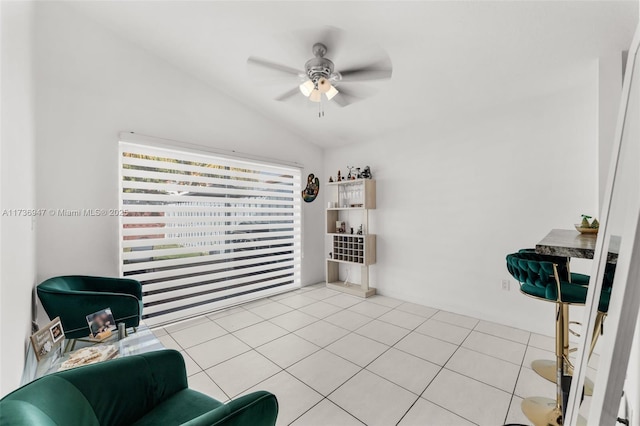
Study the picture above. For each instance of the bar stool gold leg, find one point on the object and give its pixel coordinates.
(547, 368)
(545, 411)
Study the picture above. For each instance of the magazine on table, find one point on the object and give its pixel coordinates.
(89, 355)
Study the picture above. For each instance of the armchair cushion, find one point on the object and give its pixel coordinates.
(74, 297)
(180, 408)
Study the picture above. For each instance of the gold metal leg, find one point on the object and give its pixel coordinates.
(562, 348)
(546, 411)
(596, 331)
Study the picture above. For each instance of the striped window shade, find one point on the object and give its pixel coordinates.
(203, 232)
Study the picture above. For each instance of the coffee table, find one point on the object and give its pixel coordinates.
(140, 342)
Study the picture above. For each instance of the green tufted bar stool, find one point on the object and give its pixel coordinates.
(546, 368)
(548, 278)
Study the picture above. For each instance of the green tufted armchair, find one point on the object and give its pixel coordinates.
(73, 297)
(148, 389)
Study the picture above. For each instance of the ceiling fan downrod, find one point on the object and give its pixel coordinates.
(319, 66)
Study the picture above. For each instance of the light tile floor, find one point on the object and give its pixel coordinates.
(332, 359)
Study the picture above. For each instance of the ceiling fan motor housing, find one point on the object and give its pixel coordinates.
(319, 67)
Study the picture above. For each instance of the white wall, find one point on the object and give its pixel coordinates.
(17, 189)
(92, 85)
(449, 209)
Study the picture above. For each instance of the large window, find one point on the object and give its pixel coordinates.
(202, 232)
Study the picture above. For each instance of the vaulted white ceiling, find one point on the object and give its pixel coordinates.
(450, 59)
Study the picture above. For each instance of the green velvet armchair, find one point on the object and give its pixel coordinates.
(148, 389)
(74, 297)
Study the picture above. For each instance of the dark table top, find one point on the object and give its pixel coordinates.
(570, 243)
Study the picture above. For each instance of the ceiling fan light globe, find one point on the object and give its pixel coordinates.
(306, 88)
(331, 92)
(323, 85)
(316, 96)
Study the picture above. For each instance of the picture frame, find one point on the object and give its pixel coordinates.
(48, 339)
(101, 324)
(56, 331)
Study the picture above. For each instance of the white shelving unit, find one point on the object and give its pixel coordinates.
(347, 198)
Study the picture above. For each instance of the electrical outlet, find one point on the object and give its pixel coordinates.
(506, 285)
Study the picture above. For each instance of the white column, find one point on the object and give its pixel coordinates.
(609, 90)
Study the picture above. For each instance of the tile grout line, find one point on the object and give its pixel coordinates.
(515, 385)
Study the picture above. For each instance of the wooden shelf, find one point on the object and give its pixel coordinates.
(349, 249)
(348, 182)
(346, 262)
(354, 289)
(359, 191)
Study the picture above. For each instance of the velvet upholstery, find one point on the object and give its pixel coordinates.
(74, 297)
(147, 389)
(537, 278)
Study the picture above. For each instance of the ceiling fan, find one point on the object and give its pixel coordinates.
(321, 80)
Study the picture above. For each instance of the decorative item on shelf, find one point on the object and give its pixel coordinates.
(339, 177)
(350, 175)
(330, 255)
(351, 231)
(585, 227)
(360, 230)
(358, 173)
(313, 188)
(122, 331)
(341, 227)
(330, 179)
(366, 173)
(46, 340)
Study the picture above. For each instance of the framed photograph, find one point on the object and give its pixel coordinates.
(101, 323)
(56, 332)
(48, 339)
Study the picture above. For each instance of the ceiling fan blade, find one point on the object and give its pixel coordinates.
(347, 97)
(274, 66)
(288, 94)
(376, 71)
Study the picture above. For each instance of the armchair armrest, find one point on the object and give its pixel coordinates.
(255, 409)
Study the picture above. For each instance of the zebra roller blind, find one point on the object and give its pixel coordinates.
(203, 232)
